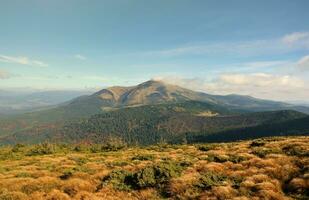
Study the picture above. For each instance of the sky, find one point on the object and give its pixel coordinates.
(258, 48)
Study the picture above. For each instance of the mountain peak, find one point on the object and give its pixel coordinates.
(149, 92)
(153, 82)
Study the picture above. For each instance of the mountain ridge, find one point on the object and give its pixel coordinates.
(156, 92)
(149, 93)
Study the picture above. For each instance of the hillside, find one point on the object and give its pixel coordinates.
(292, 127)
(176, 123)
(150, 124)
(118, 118)
(269, 168)
(148, 93)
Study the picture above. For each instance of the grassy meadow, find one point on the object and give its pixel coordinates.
(271, 168)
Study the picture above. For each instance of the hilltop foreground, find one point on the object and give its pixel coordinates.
(270, 168)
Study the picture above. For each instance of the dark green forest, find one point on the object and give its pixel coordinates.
(181, 122)
(175, 123)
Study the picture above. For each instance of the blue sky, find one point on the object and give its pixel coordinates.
(258, 48)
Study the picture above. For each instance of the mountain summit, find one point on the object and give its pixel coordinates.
(150, 92)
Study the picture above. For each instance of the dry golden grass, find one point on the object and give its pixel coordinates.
(274, 168)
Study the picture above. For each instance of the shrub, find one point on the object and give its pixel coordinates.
(79, 148)
(292, 150)
(262, 152)
(206, 147)
(257, 143)
(79, 160)
(236, 181)
(297, 188)
(117, 164)
(143, 157)
(156, 174)
(42, 149)
(236, 158)
(119, 180)
(66, 174)
(185, 163)
(210, 179)
(217, 158)
(150, 176)
(10, 156)
(145, 178)
(95, 148)
(23, 175)
(17, 148)
(113, 144)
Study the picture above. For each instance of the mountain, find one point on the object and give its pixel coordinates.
(157, 92)
(150, 93)
(21, 101)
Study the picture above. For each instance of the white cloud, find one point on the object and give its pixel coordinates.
(4, 74)
(261, 85)
(261, 64)
(296, 38)
(39, 63)
(80, 57)
(260, 80)
(303, 63)
(22, 60)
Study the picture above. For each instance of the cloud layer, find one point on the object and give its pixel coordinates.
(298, 38)
(261, 85)
(22, 60)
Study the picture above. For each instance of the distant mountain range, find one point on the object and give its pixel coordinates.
(17, 102)
(152, 109)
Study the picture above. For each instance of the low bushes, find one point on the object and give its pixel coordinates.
(150, 176)
(206, 147)
(210, 179)
(257, 143)
(292, 150)
(263, 152)
(119, 179)
(157, 174)
(42, 149)
(223, 158)
(143, 157)
(222, 171)
(66, 174)
(17, 148)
